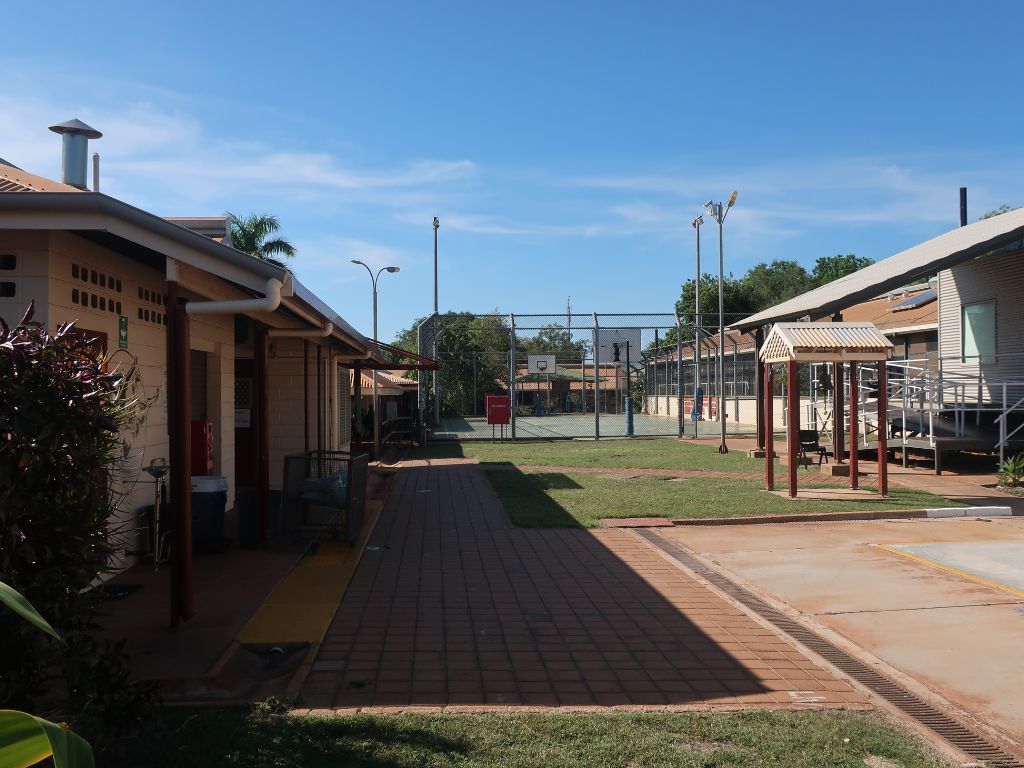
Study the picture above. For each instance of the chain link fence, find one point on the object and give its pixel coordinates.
(592, 375)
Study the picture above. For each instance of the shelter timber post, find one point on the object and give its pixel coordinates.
(854, 428)
(768, 410)
(796, 343)
(883, 428)
(179, 447)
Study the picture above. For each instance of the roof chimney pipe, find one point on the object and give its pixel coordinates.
(75, 151)
(963, 206)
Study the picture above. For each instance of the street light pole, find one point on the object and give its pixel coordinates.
(437, 224)
(376, 403)
(718, 212)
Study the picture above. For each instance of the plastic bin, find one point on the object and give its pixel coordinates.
(209, 499)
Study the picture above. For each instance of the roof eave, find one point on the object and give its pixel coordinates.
(95, 211)
(816, 302)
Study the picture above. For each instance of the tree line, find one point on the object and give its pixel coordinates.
(762, 286)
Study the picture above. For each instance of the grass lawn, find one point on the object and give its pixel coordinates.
(635, 453)
(556, 500)
(258, 738)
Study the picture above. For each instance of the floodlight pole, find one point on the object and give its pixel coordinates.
(719, 212)
(376, 403)
(437, 396)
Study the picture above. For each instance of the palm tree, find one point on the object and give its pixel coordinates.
(251, 234)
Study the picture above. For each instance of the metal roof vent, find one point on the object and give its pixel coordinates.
(75, 151)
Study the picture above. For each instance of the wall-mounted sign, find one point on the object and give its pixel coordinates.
(122, 332)
(243, 418)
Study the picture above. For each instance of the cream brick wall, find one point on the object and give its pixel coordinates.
(741, 411)
(286, 402)
(46, 271)
(30, 250)
(285, 388)
(47, 262)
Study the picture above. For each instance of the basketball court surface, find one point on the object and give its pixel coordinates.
(572, 425)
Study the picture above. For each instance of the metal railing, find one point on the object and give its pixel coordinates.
(921, 394)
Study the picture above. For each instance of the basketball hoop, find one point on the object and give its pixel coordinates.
(542, 365)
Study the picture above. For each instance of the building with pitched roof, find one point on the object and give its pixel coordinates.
(242, 363)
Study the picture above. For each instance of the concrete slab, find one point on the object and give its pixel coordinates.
(999, 563)
(936, 647)
(862, 578)
(831, 494)
(958, 636)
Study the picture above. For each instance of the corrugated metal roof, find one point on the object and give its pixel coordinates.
(14, 179)
(388, 382)
(825, 341)
(946, 250)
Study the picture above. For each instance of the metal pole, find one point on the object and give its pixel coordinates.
(735, 395)
(723, 448)
(793, 428)
(437, 223)
(696, 334)
(583, 383)
(627, 405)
(474, 382)
(437, 398)
(512, 374)
(597, 381)
(679, 374)
(759, 386)
(657, 354)
(376, 401)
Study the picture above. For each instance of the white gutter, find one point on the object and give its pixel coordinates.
(270, 301)
(321, 333)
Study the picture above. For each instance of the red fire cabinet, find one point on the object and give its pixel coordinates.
(202, 447)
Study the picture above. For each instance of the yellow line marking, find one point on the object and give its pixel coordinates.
(302, 606)
(947, 569)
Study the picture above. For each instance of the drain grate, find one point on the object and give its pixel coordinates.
(940, 723)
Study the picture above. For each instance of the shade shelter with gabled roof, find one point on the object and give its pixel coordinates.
(837, 343)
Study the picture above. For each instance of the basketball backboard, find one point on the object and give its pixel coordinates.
(540, 364)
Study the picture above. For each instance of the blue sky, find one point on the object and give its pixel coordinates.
(565, 146)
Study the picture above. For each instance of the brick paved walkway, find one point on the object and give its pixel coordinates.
(453, 606)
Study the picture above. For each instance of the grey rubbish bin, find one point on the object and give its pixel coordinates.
(209, 498)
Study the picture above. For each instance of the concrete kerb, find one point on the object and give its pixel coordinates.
(528, 709)
(826, 517)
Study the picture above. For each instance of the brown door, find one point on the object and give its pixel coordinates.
(246, 414)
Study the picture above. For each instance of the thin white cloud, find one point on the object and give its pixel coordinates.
(149, 154)
(331, 258)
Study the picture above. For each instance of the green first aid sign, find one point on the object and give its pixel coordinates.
(122, 332)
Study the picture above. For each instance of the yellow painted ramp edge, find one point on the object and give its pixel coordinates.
(301, 607)
(947, 569)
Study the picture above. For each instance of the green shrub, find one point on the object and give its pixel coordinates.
(64, 414)
(1011, 471)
